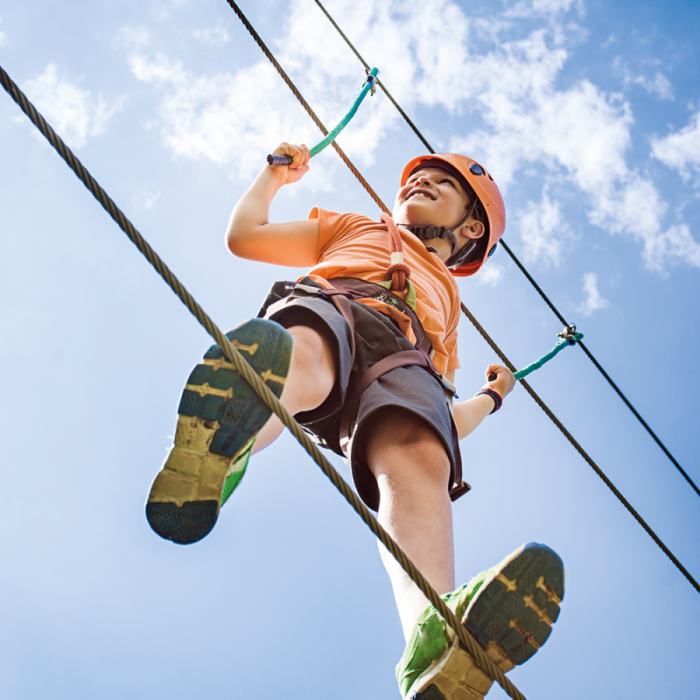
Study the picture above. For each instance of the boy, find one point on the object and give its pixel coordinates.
(366, 365)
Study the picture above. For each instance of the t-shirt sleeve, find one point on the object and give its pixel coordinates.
(451, 344)
(331, 227)
(452, 353)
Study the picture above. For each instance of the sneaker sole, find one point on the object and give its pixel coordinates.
(511, 617)
(219, 415)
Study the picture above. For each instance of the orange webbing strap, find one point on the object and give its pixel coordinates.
(398, 272)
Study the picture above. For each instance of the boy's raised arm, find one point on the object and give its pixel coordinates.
(250, 234)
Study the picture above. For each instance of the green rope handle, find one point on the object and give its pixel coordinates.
(567, 337)
(369, 86)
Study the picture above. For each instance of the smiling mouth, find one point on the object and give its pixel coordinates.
(420, 193)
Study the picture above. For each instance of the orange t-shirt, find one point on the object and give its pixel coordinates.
(352, 245)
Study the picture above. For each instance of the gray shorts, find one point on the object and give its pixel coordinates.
(411, 388)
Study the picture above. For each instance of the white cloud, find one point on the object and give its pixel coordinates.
(580, 133)
(214, 36)
(675, 245)
(74, 113)
(680, 150)
(549, 8)
(147, 198)
(235, 119)
(490, 274)
(232, 120)
(2, 35)
(166, 10)
(543, 231)
(593, 301)
(659, 85)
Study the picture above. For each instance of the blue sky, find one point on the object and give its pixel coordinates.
(588, 116)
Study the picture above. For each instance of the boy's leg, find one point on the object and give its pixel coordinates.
(412, 470)
(221, 418)
(509, 609)
(309, 382)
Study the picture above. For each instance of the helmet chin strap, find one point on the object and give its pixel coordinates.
(428, 233)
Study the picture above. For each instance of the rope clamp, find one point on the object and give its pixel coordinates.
(570, 335)
(372, 80)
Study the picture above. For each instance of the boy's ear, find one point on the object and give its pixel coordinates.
(473, 230)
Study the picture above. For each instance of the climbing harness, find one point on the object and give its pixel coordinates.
(369, 86)
(398, 271)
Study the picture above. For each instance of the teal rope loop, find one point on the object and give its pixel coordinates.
(567, 337)
(370, 86)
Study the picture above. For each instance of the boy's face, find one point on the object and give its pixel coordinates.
(433, 197)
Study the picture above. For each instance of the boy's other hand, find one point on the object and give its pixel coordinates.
(503, 383)
(293, 172)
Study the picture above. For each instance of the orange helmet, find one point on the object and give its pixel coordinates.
(487, 194)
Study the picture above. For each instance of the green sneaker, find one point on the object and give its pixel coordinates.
(509, 609)
(219, 417)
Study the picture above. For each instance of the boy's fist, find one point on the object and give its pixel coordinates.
(503, 380)
(300, 156)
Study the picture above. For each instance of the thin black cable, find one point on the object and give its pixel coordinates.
(599, 367)
(305, 104)
(529, 277)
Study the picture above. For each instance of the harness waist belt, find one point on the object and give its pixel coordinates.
(361, 289)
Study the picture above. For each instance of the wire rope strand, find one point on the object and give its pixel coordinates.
(529, 277)
(656, 439)
(258, 385)
(583, 453)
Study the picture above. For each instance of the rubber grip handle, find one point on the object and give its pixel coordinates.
(279, 160)
(492, 377)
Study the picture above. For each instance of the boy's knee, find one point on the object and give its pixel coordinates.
(313, 365)
(311, 350)
(401, 445)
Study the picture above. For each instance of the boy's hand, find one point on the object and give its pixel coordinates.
(503, 383)
(293, 172)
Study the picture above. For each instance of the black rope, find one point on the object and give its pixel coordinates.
(529, 277)
(599, 367)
